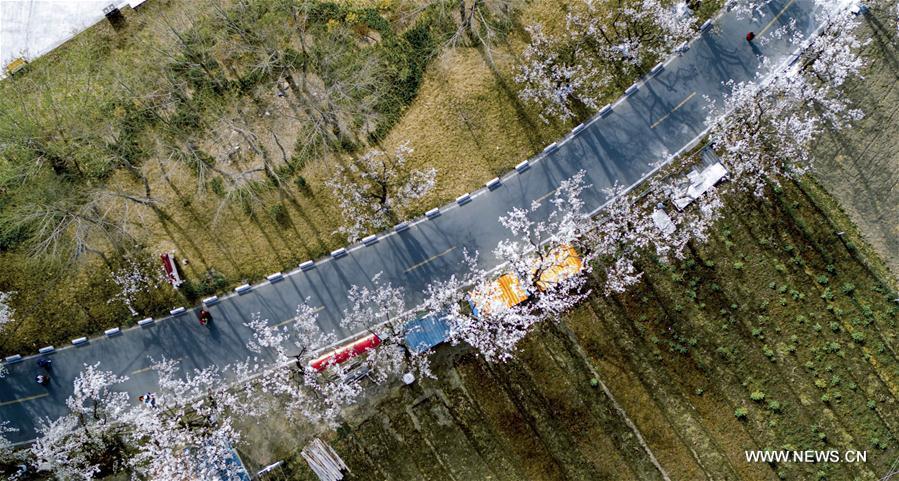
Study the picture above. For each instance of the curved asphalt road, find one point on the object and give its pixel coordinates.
(664, 116)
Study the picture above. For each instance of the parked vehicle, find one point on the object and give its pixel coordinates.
(344, 353)
(506, 291)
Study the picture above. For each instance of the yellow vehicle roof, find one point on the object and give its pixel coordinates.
(504, 292)
(566, 263)
(15, 65)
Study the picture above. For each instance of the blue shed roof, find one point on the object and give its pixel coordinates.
(426, 332)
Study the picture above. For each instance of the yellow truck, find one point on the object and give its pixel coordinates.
(506, 290)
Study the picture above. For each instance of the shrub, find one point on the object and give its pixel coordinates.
(279, 214)
(774, 406)
(757, 396)
(740, 413)
(848, 288)
(303, 186)
(217, 186)
(858, 337)
(213, 282)
(822, 279)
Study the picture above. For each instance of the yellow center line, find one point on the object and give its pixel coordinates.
(24, 399)
(149, 368)
(317, 309)
(429, 259)
(775, 18)
(681, 104)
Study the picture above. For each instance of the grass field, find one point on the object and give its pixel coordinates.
(774, 335)
(861, 166)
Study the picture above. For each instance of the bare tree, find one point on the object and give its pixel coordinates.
(482, 22)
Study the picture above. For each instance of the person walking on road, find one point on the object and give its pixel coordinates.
(42, 379)
(205, 316)
(750, 36)
(148, 399)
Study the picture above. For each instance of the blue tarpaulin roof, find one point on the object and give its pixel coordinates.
(426, 332)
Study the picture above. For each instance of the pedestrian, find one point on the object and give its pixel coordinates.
(141, 399)
(205, 316)
(42, 379)
(750, 36)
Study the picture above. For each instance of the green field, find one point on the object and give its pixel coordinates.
(774, 335)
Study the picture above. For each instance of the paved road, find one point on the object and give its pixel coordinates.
(665, 115)
(31, 28)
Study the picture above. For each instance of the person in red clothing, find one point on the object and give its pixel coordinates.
(750, 36)
(205, 317)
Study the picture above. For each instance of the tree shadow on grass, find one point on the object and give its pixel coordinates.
(316, 232)
(532, 130)
(887, 42)
(186, 206)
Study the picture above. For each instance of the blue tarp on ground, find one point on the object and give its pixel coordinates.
(426, 332)
(238, 468)
(234, 469)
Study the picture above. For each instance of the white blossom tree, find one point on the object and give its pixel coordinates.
(765, 128)
(380, 309)
(188, 432)
(89, 441)
(133, 278)
(602, 43)
(538, 248)
(373, 190)
(6, 310)
(310, 394)
(288, 383)
(13, 462)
